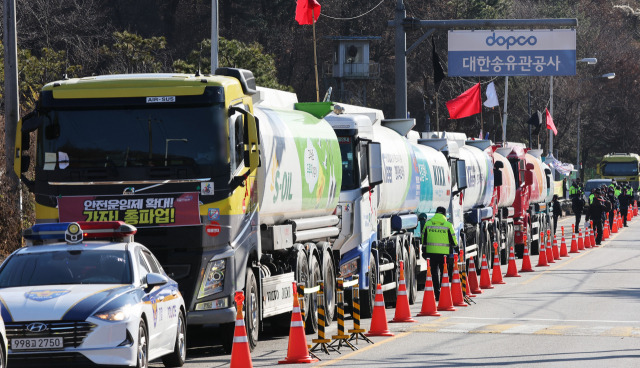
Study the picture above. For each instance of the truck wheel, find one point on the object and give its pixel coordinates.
(412, 284)
(310, 273)
(367, 297)
(390, 296)
(329, 277)
(251, 320)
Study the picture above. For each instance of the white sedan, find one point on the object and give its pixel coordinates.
(80, 302)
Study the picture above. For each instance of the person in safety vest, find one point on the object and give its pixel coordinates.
(624, 200)
(597, 211)
(439, 240)
(577, 201)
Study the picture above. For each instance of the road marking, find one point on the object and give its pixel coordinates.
(548, 319)
(495, 328)
(377, 344)
(554, 330)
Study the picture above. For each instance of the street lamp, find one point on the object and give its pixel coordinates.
(589, 61)
(606, 76)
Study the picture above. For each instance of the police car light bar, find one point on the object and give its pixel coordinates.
(76, 232)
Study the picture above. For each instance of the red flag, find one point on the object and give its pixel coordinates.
(550, 124)
(467, 104)
(307, 11)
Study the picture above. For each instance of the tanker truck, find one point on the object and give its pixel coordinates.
(381, 227)
(227, 194)
(533, 194)
(500, 226)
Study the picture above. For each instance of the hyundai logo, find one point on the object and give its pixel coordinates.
(510, 41)
(37, 327)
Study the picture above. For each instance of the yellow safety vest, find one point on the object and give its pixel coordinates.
(437, 231)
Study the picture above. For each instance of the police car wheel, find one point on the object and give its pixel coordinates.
(179, 354)
(142, 358)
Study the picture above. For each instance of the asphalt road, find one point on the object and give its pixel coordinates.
(582, 311)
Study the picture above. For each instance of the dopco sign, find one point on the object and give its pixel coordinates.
(521, 52)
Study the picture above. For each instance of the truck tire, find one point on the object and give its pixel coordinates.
(251, 317)
(412, 284)
(329, 277)
(367, 297)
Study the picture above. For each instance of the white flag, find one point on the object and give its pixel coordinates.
(492, 97)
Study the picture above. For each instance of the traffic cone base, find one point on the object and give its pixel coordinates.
(446, 302)
(379, 318)
(240, 351)
(512, 269)
(496, 276)
(403, 314)
(429, 307)
(456, 288)
(473, 278)
(485, 280)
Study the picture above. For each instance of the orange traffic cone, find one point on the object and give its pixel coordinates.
(580, 240)
(473, 278)
(445, 302)
(549, 252)
(298, 352)
(605, 230)
(526, 262)
(593, 237)
(496, 276)
(429, 299)
(403, 314)
(562, 230)
(512, 269)
(629, 212)
(635, 208)
(542, 255)
(240, 351)
(587, 238)
(619, 220)
(485, 281)
(614, 225)
(574, 244)
(379, 325)
(555, 250)
(563, 248)
(456, 288)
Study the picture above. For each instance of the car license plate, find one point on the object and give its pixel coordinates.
(38, 343)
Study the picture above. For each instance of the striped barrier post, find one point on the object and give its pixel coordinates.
(341, 338)
(322, 343)
(357, 332)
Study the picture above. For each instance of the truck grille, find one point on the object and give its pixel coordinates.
(73, 333)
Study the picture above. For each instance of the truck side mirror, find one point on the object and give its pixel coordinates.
(251, 138)
(461, 174)
(530, 167)
(497, 173)
(374, 162)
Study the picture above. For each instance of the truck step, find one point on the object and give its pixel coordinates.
(389, 286)
(386, 267)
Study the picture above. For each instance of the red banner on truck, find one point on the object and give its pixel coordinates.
(170, 209)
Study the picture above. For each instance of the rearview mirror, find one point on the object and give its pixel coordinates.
(156, 279)
(461, 174)
(374, 161)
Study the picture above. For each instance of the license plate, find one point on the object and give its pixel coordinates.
(38, 343)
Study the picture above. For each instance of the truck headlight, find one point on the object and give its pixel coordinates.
(213, 278)
(349, 268)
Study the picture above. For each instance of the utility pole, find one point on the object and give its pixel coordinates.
(401, 62)
(11, 101)
(214, 36)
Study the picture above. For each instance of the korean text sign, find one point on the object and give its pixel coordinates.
(512, 53)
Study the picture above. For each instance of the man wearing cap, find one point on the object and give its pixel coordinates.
(439, 240)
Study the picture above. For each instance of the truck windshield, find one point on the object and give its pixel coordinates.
(350, 177)
(132, 137)
(66, 267)
(621, 169)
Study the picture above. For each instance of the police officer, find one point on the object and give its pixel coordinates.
(439, 239)
(611, 196)
(577, 200)
(596, 213)
(624, 200)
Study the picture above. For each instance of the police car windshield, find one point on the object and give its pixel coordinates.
(66, 267)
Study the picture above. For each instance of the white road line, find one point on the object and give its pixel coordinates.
(506, 320)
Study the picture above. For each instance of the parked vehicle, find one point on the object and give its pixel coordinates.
(71, 297)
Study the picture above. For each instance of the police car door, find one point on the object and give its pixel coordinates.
(167, 304)
(150, 306)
